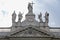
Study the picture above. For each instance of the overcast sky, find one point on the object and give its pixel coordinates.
(8, 6)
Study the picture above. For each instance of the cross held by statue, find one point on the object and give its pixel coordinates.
(32, 3)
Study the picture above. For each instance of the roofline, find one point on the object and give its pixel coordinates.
(10, 27)
(54, 27)
(5, 27)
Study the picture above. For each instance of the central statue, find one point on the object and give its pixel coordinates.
(30, 8)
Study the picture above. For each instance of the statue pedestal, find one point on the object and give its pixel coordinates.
(41, 24)
(44, 26)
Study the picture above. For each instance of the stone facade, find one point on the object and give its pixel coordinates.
(30, 29)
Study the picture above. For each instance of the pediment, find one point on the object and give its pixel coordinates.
(30, 31)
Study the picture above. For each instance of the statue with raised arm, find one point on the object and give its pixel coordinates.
(46, 17)
(30, 7)
(40, 17)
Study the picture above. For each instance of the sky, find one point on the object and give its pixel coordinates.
(7, 7)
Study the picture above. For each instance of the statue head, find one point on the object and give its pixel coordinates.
(46, 14)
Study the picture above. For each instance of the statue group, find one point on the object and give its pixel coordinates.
(46, 17)
(30, 9)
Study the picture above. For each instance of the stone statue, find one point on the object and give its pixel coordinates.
(19, 17)
(30, 7)
(40, 17)
(13, 16)
(46, 17)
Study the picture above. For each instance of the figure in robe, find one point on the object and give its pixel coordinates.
(30, 8)
(13, 17)
(40, 17)
(46, 17)
(19, 16)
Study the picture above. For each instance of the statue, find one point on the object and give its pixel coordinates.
(30, 7)
(46, 17)
(40, 17)
(19, 17)
(13, 17)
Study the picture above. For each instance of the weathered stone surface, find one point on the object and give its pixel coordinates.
(29, 29)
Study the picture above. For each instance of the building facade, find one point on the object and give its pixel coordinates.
(30, 28)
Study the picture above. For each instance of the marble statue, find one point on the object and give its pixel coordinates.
(19, 17)
(40, 17)
(13, 16)
(30, 7)
(46, 17)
